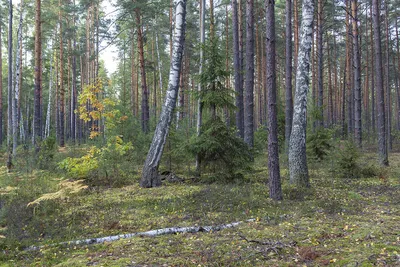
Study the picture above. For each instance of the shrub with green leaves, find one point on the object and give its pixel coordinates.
(110, 165)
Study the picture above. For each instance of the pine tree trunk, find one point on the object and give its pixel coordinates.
(275, 191)
(320, 57)
(373, 93)
(249, 86)
(349, 86)
(237, 68)
(382, 141)
(62, 100)
(297, 148)
(387, 84)
(150, 177)
(288, 73)
(145, 94)
(357, 76)
(38, 69)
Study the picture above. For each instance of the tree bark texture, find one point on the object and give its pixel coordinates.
(249, 86)
(275, 190)
(38, 70)
(1, 88)
(297, 148)
(320, 56)
(357, 76)
(381, 123)
(288, 74)
(237, 69)
(145, 93)
(10, 87)
(150, 177)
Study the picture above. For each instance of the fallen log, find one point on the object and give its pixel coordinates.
(151, 233)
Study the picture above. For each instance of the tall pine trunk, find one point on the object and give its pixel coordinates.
(357, 76)
(150, 176)
(297, 148)
(145, 95)
(62, 92)
(320, 57)
(249, 86)
(275, 190)
(288, 74)
(237, 68)
(382, 141)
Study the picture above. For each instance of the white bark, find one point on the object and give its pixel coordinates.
(150, 177)
(17, 85)
(297, 145)
(151, 233)
(199, 105)
(48, 115)
(159, 66)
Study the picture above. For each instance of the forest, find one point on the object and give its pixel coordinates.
(199, 133)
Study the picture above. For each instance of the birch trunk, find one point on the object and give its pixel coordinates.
(48, 115)
(10, 86)
(1, 89)
(199, 101)
(382, 141)
(16, 93)
(38, 70)
(297, 147)
(150, 177)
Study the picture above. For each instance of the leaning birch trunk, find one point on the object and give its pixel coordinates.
(297, 145)
(150, 177)
(17, 86)
(48, 115)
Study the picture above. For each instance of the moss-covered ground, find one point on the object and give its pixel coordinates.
(338, 222)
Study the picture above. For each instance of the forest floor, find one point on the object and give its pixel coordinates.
(338, 222)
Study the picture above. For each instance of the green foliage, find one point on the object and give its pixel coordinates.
(220, 150)
(260, 139)
(347, 163)
(110, 165)
(48, 148)
(319, 144)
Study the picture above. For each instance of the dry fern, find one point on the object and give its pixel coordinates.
(66, 189)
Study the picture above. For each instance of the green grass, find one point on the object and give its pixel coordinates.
(339, 222)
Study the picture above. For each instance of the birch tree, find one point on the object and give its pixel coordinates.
(38, 70)
(16, 93)
(150, 177)
(298, 169)
(10, 86)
